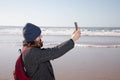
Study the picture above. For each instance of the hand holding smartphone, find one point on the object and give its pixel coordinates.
(76, 34)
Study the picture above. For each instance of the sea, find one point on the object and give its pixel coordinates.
(90, 36)
(95, 56)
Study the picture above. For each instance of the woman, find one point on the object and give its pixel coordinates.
(36, 59)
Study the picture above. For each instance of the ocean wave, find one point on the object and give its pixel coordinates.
(10, 31)
(86, 45)
(65, 31)
(101, 33)
(97, 46)
(52, 44)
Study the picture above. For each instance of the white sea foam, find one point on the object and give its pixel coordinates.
(13, 31)
(84, 32)
(97, 46)
(65, 31)
(86, 45)
(57, 32)
(101, 33)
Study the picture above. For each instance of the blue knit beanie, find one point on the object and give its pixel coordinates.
(31, 32)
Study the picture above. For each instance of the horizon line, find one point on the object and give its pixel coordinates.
(54, 26)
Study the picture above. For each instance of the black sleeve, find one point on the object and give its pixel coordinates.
(42, 55)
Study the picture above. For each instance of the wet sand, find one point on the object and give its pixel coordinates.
(78, 64)
(89, 64)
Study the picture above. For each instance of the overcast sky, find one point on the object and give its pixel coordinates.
(60, 12)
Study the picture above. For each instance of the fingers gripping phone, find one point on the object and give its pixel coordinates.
(76, 26)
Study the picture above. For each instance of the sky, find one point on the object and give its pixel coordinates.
(88, 13)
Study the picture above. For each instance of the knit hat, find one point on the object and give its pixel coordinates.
(31, 32)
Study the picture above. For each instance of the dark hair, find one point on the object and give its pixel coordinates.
(33, 43)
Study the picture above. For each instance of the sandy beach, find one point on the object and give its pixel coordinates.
(78, 64)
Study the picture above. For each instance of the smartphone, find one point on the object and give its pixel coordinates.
(76, 26)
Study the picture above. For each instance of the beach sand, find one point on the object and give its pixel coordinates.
(89, 64)
(77, 64)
